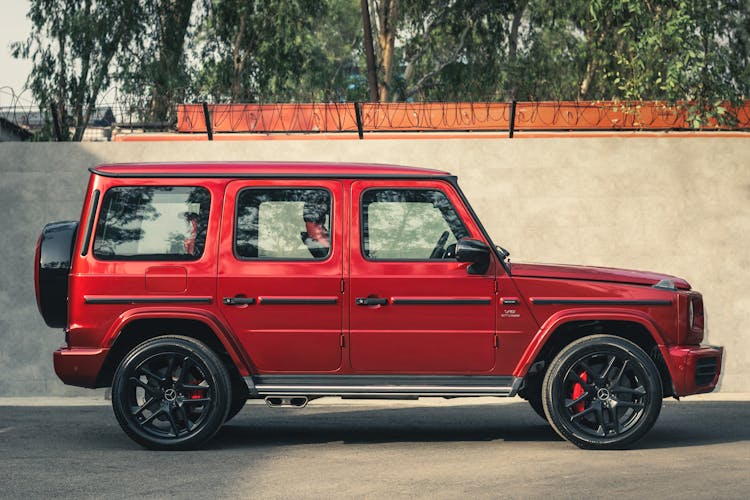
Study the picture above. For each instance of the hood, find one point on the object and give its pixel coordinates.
(589, 273)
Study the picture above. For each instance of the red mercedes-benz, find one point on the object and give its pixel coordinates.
(190, 288)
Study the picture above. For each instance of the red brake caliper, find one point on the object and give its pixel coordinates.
(578, 391)
(196, 393)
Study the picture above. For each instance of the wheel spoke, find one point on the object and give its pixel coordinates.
(586, 385)
(188, 425)
(187, 365)
(145, 405)
(152, 417)
(606, 370)
(146, 387)
(582, 414)
(173, 424)
(617, 379)
(612, 410)
(170, 366)
(148, 373)
(638, 391)
(573, 402)
(196, 401)
(599, 413)
(628, 404)
(193, 387)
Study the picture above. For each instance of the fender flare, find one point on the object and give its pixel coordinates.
(224, 334)
(560, 318)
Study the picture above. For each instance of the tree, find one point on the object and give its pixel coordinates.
(73, 44)
(687, 52)
(154, 68)
(458, 50)
(255, 50)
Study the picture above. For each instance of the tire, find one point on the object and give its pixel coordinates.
(533, 394)
(538, 406)
(602, 392)
(171, 393)
(239, 397)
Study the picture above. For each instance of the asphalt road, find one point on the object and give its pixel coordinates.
(381, 450)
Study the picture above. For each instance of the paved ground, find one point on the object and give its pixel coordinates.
(698, 449)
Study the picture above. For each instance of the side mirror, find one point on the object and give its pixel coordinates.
(474, 251)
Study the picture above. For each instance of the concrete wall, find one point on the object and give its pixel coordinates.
(675, 205)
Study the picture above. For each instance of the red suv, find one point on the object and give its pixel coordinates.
(190, 288)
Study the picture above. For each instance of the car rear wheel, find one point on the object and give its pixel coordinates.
(171, 393)
(602, 392)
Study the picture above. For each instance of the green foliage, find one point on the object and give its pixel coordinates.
(252, 51)
(695, 53)
(72, 45)
(153, 70)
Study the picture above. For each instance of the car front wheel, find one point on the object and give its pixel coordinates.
(602, 392)
(171, 393)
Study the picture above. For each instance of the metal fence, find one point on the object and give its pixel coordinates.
(447, 116)
(117, 114)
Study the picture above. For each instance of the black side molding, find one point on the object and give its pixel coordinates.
(442, 302)
(88, 299)
(597, 302)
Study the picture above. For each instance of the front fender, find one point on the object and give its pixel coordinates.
(560, 318)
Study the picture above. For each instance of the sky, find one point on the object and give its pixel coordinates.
(14, 27)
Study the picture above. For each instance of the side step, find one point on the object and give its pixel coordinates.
(284, 390)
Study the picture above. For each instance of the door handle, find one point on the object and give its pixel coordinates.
(238, 301)
(370, 301)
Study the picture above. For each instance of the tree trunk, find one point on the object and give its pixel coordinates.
(372, 73)
(388, 16)
(62, 91)
(513, 49)
(238, 59)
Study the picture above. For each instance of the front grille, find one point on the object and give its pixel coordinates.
(705, 370)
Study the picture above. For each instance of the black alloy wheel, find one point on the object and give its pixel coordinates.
(602, 392)
(171, 393)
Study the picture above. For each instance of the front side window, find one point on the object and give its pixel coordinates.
(152, 223)
(283, 223)
(409, 224)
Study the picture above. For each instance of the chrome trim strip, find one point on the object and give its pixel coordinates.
(383, 390)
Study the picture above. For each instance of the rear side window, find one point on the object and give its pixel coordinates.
(283, 223)
(152, 223)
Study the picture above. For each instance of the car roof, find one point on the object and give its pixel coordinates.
(263, 169)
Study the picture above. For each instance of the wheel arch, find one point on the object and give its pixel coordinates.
(561, 331)
(138, 327)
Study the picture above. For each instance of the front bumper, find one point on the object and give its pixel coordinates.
(694, 369)
(79, 366)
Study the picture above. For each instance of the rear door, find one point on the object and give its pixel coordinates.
(280, 272)
(413, 307)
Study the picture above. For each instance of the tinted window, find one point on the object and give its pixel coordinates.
(409, 224)
(152, 223)
(283, 224)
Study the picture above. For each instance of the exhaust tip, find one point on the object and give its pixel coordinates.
(288, 401)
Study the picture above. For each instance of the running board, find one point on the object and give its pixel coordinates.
(382, 386)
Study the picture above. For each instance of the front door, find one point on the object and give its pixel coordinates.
(281, 271)
(413, 307)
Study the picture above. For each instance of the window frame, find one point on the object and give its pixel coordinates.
(101, 220)
(402, 188)
(312, 258)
